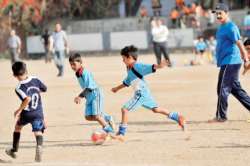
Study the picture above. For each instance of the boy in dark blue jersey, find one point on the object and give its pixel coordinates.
(30, 110)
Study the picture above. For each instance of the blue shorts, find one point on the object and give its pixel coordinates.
(37, 122)
(94, 103)
(140, 99)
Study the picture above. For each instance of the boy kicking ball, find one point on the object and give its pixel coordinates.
(30, 110)
(93, 95)
(142, 95)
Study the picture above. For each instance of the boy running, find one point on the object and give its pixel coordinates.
(142, 96)
(30, 110)
(93, 95)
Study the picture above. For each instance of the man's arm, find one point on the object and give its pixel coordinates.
(242, 50)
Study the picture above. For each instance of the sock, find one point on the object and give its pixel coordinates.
(39, 140)
(107, 118)
(174, 116)
(122, 129)
(108, 129)
(16, 139)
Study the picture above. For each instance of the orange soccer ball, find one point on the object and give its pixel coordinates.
(98, 137)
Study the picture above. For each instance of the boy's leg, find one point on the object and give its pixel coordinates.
(108, 118)
(131, 105)
(15, 144)
(38, 128)
(39, 144)
(93, 112)
(171, 115)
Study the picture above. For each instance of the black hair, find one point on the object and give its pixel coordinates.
(130, 51)
(247, 42)
(75, 57)
(19, 68)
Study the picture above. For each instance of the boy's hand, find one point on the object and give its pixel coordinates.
(17, 113)
(77, 100)
(114, 90)
(246, 67)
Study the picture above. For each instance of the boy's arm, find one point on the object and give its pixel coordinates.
(42, 86)
(161, 65)
(117, 88)
(23, 105)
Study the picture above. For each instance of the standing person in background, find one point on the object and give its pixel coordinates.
(156, 6)
(212, 48)
(174, 16)
(160, 33)
(200, 48)
(230, 53)
(60, 45)
(47, 44)
(247, 25)
(14, 45)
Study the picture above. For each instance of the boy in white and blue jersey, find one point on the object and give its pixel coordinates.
(30, 110)
(93, 95)
(142, 96)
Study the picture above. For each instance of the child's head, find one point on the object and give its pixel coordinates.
(200, 38)
(75, 61)
(247, 45)
(211, 37)
(129, 54)
(19, 70)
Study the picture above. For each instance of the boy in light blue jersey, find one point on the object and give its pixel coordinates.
(142, 96)
(92, 93)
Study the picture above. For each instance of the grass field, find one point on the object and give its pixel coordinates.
(152, 140)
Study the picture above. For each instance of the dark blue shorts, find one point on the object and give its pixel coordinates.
(36, 121)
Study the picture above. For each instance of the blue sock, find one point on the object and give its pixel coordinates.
(108, 129)
(122, 129)
(174, 116)
(107, 118)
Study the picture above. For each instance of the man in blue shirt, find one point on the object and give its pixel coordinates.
(229, 54)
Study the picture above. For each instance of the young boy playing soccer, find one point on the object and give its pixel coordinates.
(142, 96)
(30, 110)
(93, 95)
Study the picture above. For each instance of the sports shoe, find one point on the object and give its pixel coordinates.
(38, 157)
(10, 153)
(181, 122)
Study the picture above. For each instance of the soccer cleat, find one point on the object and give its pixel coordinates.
(181, 122)
(10, 153)
(38, 157)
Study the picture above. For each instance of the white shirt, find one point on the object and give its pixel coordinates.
(59, 39)
(160, 33)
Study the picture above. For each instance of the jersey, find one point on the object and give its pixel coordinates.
(31, 87)
(142, 96)
(135, 76)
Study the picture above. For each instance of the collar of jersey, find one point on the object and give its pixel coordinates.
(131, 66)
(26, 80)
(79, 72)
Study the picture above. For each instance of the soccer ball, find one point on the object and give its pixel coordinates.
(98, 137)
